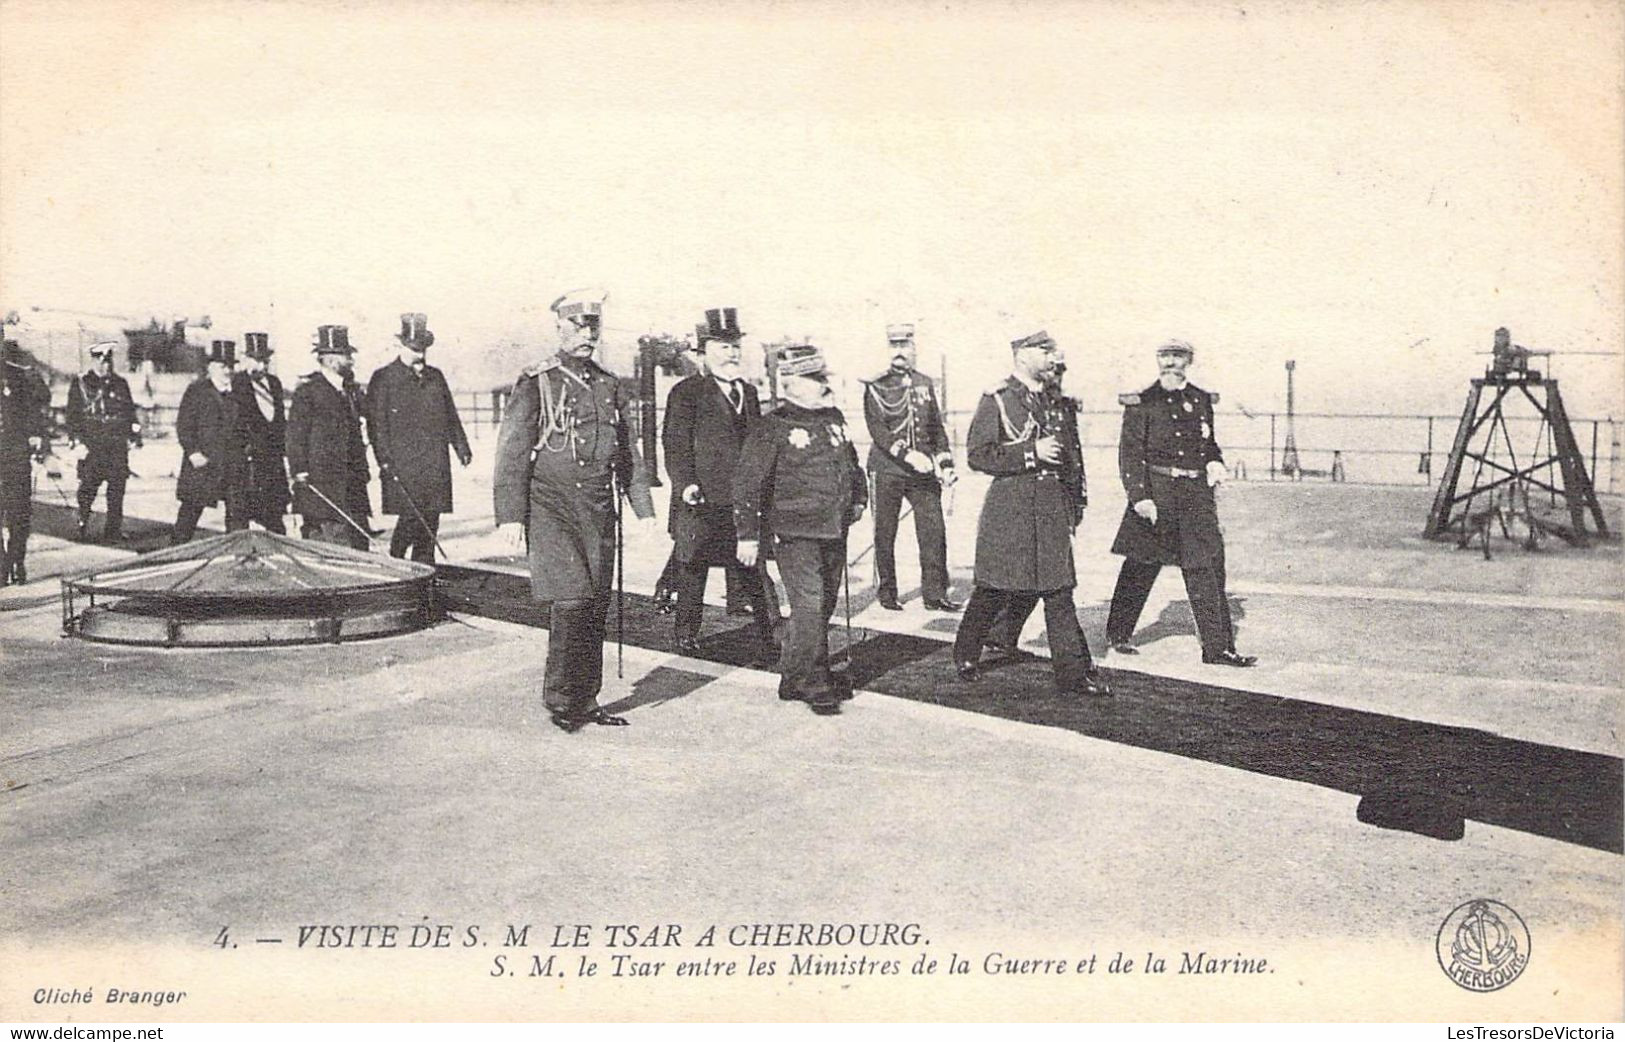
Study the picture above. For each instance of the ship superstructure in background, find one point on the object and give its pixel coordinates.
(1508, 481)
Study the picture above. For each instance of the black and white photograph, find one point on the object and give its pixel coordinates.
(1084, 510)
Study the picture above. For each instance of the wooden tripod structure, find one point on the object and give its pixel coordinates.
(1452, 512)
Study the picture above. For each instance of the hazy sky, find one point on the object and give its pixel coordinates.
(1330, 182)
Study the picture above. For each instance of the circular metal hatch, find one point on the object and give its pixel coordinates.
(248, 588)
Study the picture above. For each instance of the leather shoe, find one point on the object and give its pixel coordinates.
(943, 604)
(19, 573)
(825, 705)
(689, 646)
(1230, 657)
(1123, 647)
(739, 609)
(598, 716)
(1093, 685)
(889, 603)
(966, 670)
(786, 692)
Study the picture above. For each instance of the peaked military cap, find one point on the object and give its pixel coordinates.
(333, 340)
(800, 360)
(901, 333)
(104, 349)
(1176, 347)
(415, 331)
(580, 304)
(1038, 339)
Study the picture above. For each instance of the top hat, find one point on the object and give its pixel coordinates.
(104, 349)
(800, 360)
(580, 305)
(901, 333)
(720, 324)
(257, 345)
(1040, 339)
(1176, 347)
(333, 340)
(223, 351)
(415, 331)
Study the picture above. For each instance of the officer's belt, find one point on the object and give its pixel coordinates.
(1175, 472)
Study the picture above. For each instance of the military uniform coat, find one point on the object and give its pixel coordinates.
(563, 446)
(207, 422)
(903, 416)
(24, 404)
(798, 476)
(702, 440)
(411, 421)
(324, 441)
(265, 438)
(101, 413)
(1173, 429)
(1024, 535)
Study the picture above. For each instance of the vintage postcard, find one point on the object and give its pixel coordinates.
(1098, 511)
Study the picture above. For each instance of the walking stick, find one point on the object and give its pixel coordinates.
(338, 510)
(620, 589)
(56, 479)
(419, 514)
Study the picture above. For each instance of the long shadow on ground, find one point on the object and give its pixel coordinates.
(1421, 777)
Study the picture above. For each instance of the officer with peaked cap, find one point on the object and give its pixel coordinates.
(25, 402)
(799, 479)
(412, 422)
(909, 458)
(262, 414)
(1170, 465)
(213, 460)
(1022, 436)
(707, 418)
(326, 452)
(101, 414)
(564, 455)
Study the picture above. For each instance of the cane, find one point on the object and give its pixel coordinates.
(336, 509)
(56, 479)
(620, 589)
(418, 513)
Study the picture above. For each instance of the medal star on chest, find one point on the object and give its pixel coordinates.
(799, 437)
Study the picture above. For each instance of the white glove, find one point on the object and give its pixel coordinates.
(947, 474)
(512, 536)
(748, 549)
(1216, 473)
(199, 459)
(1147, 508)
(692, 496)
(36, 443)
(1048, 448)
(918, 460)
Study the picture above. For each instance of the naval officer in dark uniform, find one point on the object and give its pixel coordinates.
(1170, 464)
(707, 417)
(909, 458)
(25, 401)
(564, 454)
(101, 414)
(1022, 436)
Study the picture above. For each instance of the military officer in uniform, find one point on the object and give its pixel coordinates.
(564, 455)
(24, 403)
(263, 416)
(1022, 436)
(213, 460)
(909, 458)
(101, 414)
(326, 452)
(412, 422)
(707, 417)
(1171, 464)
(1004, 639)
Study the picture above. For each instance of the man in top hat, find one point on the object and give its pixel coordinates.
(101, 414)
(326, 452)
(213, 461)
(1022, 436)
(909, 458)
(707, 417)
(412, 421)
(263, 415)
(1171, 465)
(25, 401)
(1004, 639)
(799, 479)
(564, 456)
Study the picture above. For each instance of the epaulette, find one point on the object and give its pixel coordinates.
(1001, 385)
(537, 368)
(1129, 398)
